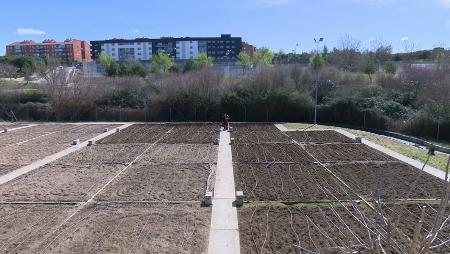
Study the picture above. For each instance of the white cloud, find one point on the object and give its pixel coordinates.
(136, 31)
(404, 39)
(445, 2)
(29, 31)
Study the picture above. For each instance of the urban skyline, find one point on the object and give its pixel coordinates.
(288, 22)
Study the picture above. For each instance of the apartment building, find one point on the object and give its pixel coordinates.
(124, 50)
(70, 50)
(223, 48)
(249, 49)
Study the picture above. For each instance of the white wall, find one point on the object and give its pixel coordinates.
(187, 50)
(142, 50)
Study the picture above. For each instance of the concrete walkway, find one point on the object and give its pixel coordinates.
(21, 127)
(281, 127)
(23, 170)
(224, 232)
(417, 164)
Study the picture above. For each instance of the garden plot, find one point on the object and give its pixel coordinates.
(71, 182)
(264, 153)
(25, 228)
(28, 152)
(288, 182)
(270, 127)
(257, 136)
(160, 182)
(319, 229)
(27, 134)
(192, 134)
(409, 215)
(180, 154)
(105, 154)
(393, 180)
(319, 137)
(137, 133)
(346, 152)
(135, 228)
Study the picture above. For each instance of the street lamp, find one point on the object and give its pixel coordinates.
(317, 42)
(228, 55)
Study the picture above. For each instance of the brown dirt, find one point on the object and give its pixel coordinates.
(288, 226)
(259, 136)
(192, 134)
(180, 153)
(136, 228)
(409, 216)
(319, 137)
(26, 153)
(270, 127)
(105, 154)
(137, 133)
(346, 152)
(24, 228)
(163, 182)
(394, 180)
(59, 182)
(288, 182)
(5, 168)
(263, 153)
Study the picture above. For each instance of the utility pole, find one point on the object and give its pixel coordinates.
(317, 42)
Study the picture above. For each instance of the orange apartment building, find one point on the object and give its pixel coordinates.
(70, 50)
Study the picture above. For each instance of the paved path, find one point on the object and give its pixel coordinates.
(417, 164)
(224, 232)
(281, 127)
(21, 127)
(23, 170)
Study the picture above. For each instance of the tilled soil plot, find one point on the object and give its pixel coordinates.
(5, 168)
(264, 153)
(288, 229)
(160, 182)
(25, 228)
(394, 180)
(272, 136)
(39, 148)
(135, 228)
(254, 127)
(409, 215)
(137, 133)
(105, 154)
(346, 152)
(180, 154)
(30, 133)
(319, 137)
(288, 182)
(192, 134)
(59, 182)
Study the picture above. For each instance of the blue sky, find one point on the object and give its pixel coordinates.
(277, 24)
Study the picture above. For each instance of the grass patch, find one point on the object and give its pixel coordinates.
(438, 161)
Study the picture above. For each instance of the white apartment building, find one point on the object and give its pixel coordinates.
(187, 50)
(128, 51)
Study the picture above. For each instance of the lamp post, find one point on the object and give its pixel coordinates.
(317, 42)
(228, 54)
